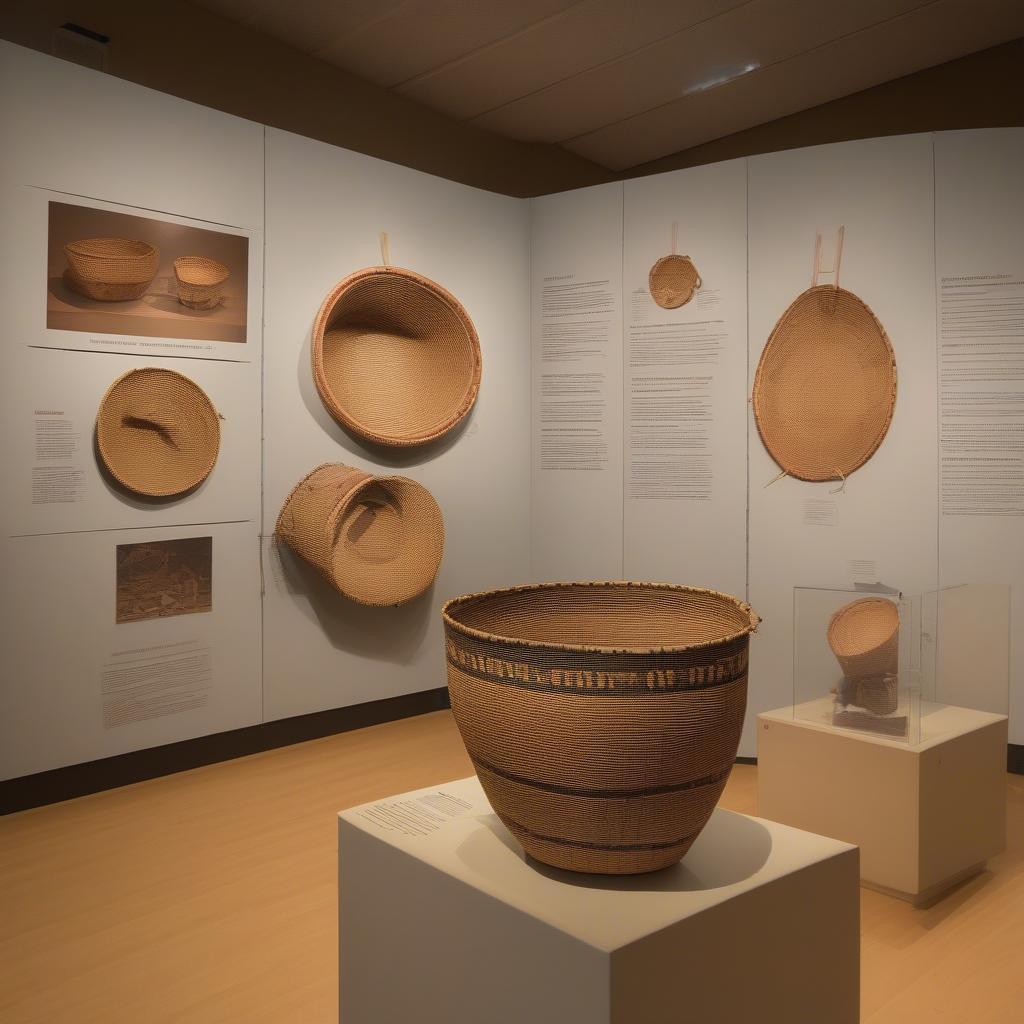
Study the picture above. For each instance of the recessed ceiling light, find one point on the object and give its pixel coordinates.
(720, 78)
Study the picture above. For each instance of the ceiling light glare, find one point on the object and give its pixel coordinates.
(721, 78)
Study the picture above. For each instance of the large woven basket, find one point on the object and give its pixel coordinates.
(200, 281)
(377, 540)
(396, 358)
(111, 269)
(602, 718)
(825, 387)
(157, 433)
(864, 636)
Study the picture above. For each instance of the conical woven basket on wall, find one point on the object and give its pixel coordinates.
(825, 388)
(111, 269)
(157, 433)
(673, 279)
(602, 718)
(396, 358)
(864, 636)
(377, 540)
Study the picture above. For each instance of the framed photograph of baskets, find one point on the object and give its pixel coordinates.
(119, 271)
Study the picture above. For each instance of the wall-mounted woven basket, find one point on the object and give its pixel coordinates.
(396, 358)
(602, 718)
(864, 636)
(157, 433)
(111, 269)
(673, 280)
(200, 281)
(825, 388)
(377, 540)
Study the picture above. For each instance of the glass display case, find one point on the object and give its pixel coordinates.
(906, 668)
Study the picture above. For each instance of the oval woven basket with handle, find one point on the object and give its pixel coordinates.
(111, 269)
(825, 388)
(673, 280)
(864, 636)
(396, 358)
(603, 719)
(157, 432)
(377, 540)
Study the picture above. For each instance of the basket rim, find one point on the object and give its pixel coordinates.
(344, 417)
(753, 618)
(757, 402)
(840, 613)
(149, 249)
(207, 261)
(163, 492)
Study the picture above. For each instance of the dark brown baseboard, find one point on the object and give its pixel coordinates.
(746, 760)
(109, 772)
(1015, 758)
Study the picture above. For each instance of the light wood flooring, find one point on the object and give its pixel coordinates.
(210, 896)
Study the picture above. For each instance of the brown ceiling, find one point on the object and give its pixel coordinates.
(623, 82)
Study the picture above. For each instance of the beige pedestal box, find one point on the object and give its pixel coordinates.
(443, 919)
(925, 815)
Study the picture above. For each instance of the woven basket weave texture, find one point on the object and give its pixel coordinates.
(396, 358)
(603, 719)
(157, 432)
(200, 281)
(111, 269)
(825, 388)
(864, 636)
(377, 540)
(673, 280)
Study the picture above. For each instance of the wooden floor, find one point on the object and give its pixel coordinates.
(210, 896)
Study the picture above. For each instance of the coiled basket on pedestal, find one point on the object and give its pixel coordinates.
(603, 719)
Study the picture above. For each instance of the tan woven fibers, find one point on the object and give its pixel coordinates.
(603, 718)
(864, 636)
(377, 540)
(200, 281)
(111, 269)
(673, 281)
(157, 433)
(825, 388)
(396, 358)
(877, 694)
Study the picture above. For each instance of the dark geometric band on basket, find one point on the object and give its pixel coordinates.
(604, 848)
(600, 674)
(604, 794)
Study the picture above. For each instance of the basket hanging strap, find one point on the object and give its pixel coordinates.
(384, 253)
(162, 418)
(842, 486)
(836, 261)
(675, 237)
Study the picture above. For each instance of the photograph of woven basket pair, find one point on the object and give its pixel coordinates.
(603, 718)
(120, 269)
(864, 636)
(825, 388)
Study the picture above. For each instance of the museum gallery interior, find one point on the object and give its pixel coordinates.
(513, 513)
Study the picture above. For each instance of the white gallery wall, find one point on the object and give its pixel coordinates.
(611, 439)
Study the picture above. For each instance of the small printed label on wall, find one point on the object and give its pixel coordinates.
(820, 512)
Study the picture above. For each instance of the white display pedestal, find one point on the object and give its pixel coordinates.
(925, 815)
(443, 919)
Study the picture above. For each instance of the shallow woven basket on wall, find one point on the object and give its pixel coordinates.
(864, 636)
(673, 279)
(603, 719)
(111, 269)
(157, 433)
(377, 540)
(396, 358)
(825, 387)
(200, 281)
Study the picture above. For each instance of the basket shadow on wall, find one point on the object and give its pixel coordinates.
(387, 634)
(396, 458)
(746, 842)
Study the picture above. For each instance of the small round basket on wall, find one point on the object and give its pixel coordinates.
(673, 280)
(864, 636)
(111, 269)
(825, 387)
(603, 719)
(376, 540)
(157, 433)
(396, 358)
